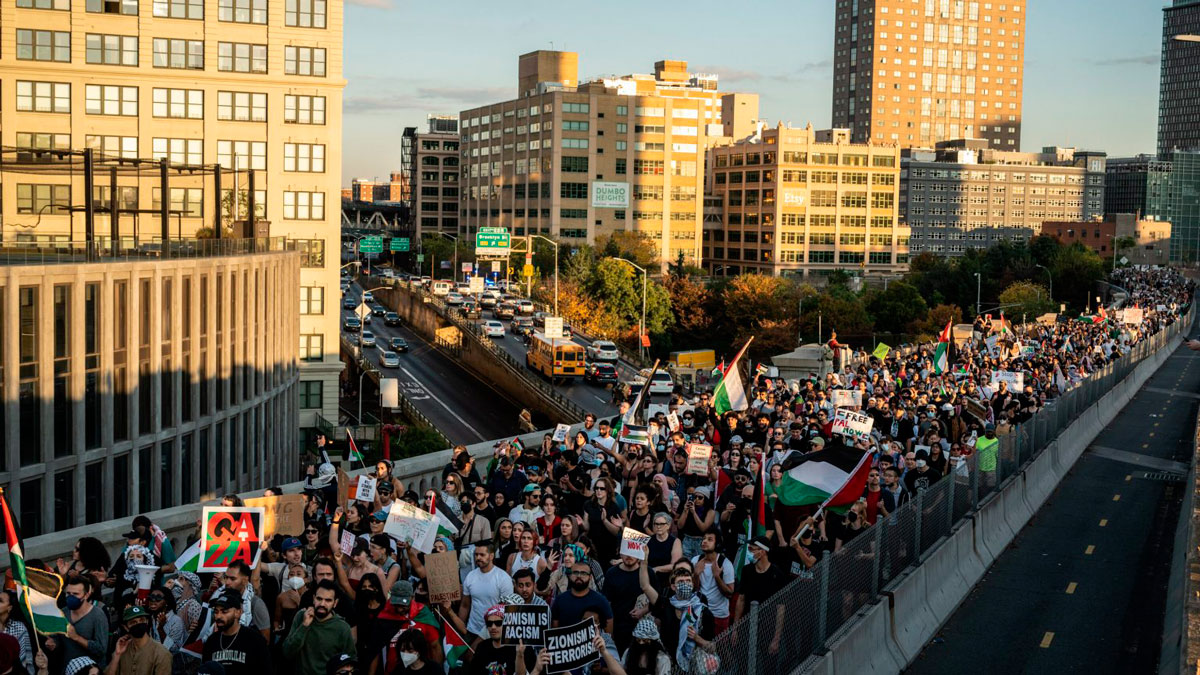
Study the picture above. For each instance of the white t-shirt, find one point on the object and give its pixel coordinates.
(485, 590)
(718, 604)
(525, 515)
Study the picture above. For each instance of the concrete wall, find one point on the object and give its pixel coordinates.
(889, 635)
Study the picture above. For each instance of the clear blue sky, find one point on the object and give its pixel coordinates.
(1091, 71)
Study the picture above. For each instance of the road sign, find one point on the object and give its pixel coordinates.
(371, 244)
(492, 241)
(467, 267)
(420, 258)
(476, 285)
(495, 265)
(400, 244)
(528, 271)
(554, 327)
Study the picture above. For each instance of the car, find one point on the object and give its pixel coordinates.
(366, 318)
(470, 309)
(567, 332)
(539, 319)
(525, 307)
(602, 350)
(521, 326)
(378, 310)
(391, 319)
(493, 329)
(600, 373)
(504, 310)
(352, 324)
(398, 344)
(389, 360)
(487, 301)
(368, 339)
(661, 383)
(454, 299)
(368, 296)
(349, 302)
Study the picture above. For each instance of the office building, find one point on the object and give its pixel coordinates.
(804, 203)
(1151, 238)
(577, 161)
(1180, 205)
(1136, 185)
(1179, 79)
(916, 72)
(432, 162)
(966, 195)
(247, 84)
(395, 189)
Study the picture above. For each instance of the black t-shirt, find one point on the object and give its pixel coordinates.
(568, 609)
(246, 653)
(758, 586)
(492, 660)
(622, 588)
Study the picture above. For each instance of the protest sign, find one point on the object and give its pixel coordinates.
(411, 525)
(366, 489)
(634, 544)
(347, 542)
(673, 422)
(231, 534)
(852, 424)
(1133, 315)
(847, 398)
(571, 647)
(881, 351)
(441, 571)
(525, 623)
(282, 515)
(698, 456)
(1014, 380)
(560, 432)
(343, 492)
(652, 409)
(991, 343)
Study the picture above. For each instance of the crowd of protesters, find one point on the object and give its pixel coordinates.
(542, 525)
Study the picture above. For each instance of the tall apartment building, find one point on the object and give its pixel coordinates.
(432, 159)
(578, 161)
(916, 72)
(246, 83)
(1136, 185)
(798, 202)
(965, 195)
(1179, 79)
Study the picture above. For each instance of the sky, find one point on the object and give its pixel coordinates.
(1091, 66)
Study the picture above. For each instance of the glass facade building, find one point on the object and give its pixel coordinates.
(1179, 81)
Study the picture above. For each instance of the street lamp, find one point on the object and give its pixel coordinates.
(551, 241)
(1050, 277)
(978, 292)
(447, 235)
(1188, 38)
(642, 325)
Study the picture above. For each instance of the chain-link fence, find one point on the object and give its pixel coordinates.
(780, 634)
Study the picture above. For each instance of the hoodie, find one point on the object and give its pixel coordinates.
(311, 647)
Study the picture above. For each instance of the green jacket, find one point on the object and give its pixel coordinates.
(311, 647)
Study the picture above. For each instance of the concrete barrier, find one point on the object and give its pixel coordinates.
(1016, 507)
(971, 564)
(874, 636)
(993, 532)
(911, 617)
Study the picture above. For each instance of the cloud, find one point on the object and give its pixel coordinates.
(466, 94)
(727, 74)
(390, 95)
(804, 70)
(1142, 60)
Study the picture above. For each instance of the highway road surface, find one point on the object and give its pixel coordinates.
(1082, 587)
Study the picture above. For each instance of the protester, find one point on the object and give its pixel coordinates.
(240, 649)
(320, 634)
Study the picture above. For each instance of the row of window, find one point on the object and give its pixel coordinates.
(296, 13)
(38, 198)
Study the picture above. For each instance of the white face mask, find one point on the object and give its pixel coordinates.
(408, 658)
(295, 583)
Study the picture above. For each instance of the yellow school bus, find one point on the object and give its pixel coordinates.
(555, 358)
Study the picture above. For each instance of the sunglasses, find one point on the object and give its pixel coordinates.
(156, 596)
(346, 671)
(495, 623)
(312, 532)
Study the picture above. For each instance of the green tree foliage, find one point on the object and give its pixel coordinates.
(633, 245)
(895, 307)
(1030, 299)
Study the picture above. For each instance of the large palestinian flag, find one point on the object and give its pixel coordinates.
(833, 478)
(37, 591)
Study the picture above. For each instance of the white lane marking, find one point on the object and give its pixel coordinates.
(448, 408)
(602, 400)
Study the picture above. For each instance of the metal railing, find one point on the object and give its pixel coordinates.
(405, 406)
(797, 621)
(102, 249)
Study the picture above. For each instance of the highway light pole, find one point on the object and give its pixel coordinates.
(1051, 278)
(454, 274)
(978, 292)
(551, 241)
(642, 324)
(362, 352)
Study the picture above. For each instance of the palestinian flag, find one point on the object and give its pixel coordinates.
(719, 371)
(355, 454)
(634, 434)
(941, 354)
(425, 620)
(1003, 325)
(454, 646)
(448, 524)
(729, 394)
(761, 369)
(743, 554)
(37, 591)
(834, 478)
(516, 447)
(189, 560)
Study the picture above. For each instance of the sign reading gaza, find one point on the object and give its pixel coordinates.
(525, 623)
(571, 647)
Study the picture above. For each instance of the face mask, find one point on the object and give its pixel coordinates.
(408, 658)
(683, 589)
(73, 602)
(295, 583)
(140, 630)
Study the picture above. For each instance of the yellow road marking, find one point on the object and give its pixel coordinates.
(1156, 424)
(1128, 477)
(1116, 498)
(1151, 434)
(1103, 522)
(1071, 588)
(1145, 445)
(1090, 549)
(1047, 639)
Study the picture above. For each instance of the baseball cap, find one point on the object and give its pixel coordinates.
(383, 541)
(380, 515)
(338, 662)
(531, 487)
(736, 439)
(817, 441)
(134, 612)
(402, 592)
(289, 544)
(226, 597)
(762, 542)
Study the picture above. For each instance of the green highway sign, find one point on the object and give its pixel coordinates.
(399, 244)
(370, 245)
(420, 257)
(492, 241)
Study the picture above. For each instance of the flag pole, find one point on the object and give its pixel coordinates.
(734, 363)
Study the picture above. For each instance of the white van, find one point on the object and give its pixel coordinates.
(661, 383)
(442, 287)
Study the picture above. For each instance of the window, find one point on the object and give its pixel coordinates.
(882, 200)
(304, 109)
(574, 164)
(575, 143)
(64, 5)
(620, 166)
(186, 201)
(112, 50)
(304, 61)
(312, 300)
(249, 154)
(175, 53)
(312, 251)
(312, 347)
(129, 7)
(179, 150)
(113, 146)
(43, 45)
(179, 103)
(650, 167)
(242, 11)
(305, 13)
(310, 394)
(241, 57)
(43, 96)
(304, 157)
(179, 9)
(573, 190)
(576, 108)
(304, 205)
(572, 213)
(110, 99)
(241, 106)
(574, 126)
(34, 198)
(43, 141)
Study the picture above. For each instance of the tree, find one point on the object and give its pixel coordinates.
(845, 315)
(1120, 244)
(631, 244)
(1076, 270)
(619, 287)
(1031, 299)
(895, 307)
(765, 307)
(931, 325)
(693, 305)
(588, 314)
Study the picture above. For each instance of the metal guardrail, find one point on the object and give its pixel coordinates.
(129, 249)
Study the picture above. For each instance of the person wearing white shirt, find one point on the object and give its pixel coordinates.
(530, 509)
(714, 580)
(482, 588)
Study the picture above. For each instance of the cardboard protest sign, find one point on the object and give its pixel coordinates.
(991, 343)
(673, 422)
(847, 398)
(634, 544)
(852, 424)
(525, 623)
(283, 514)
(560, 432)
(411, 525)
(652, 409)
(571, 647)
(343, 491)
(442, 575)
(1014, 380)
(231, 534)
(881, 351)
(1133, 315)
(347, 542)
(366, 489)
(698, 456)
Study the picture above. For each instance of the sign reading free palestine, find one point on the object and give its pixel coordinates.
(610, 195)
